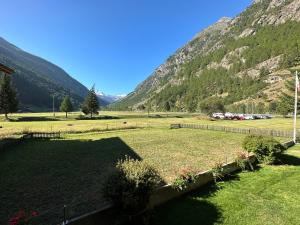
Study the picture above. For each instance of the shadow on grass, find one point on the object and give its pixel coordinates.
(45, 175)
(287, 159)
(33, 118)
(193, 208)
(155, 116)
(98, 118)
(188, 211)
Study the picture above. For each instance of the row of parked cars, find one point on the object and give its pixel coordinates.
(236, 116)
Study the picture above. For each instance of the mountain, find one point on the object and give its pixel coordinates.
(36, 80)
(242, 60)
(108, 99)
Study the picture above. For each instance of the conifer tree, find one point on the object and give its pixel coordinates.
(66, 105)
(8, 99)
(90, 105)
(287, 99)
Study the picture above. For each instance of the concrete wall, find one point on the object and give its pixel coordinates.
(107, 215)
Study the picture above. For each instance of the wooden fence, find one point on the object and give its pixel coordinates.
(7, 143)
(254, 131)
(41, 135)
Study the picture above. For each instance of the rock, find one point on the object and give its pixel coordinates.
(290, 11)
(270, 64)
(228, 59)
(247, 32)
(275, 3)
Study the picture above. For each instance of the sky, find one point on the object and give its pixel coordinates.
(114, 44)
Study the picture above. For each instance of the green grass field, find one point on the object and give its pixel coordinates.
(45, 122)
(269, 196)
(45, 175)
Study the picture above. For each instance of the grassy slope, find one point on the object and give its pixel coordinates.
(45, 122)
(268, 196)
(45, 175)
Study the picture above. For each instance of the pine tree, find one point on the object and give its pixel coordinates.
(287, 99)
(272, 107)
(66, 105)
(283, 108)
(212, 105)
(90, 105)
(8, 99)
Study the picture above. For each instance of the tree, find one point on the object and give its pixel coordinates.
(242, 108)
(287, 99)
(283, 108)
(272, 107)
(8, 99)
(167, 106)
(212, 105)
(261, 108)
(66, 105)
(90, 105)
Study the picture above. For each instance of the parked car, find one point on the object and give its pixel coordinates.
(229, 116)
(249, 117)
(269, 116)
(218, 115)
(241, 117)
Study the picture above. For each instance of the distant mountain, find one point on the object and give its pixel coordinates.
(240, 60)
(37, 80)
(108, 99)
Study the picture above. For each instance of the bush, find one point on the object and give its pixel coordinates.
(266, 149)
(185, 178)
(218, 171)
(243, 161)
(130, 184)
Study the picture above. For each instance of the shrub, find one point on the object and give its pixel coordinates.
(130, 184)
(266, 149)
(217, 171)
(243, 161)
(185, 178)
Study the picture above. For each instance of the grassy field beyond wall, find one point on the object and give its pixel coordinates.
(45, 122)
(45, 175)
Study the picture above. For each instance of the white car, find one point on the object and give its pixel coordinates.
(249, 117)
(218, 115)
(229, 115)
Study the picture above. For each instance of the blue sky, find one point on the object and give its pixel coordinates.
(115, 44)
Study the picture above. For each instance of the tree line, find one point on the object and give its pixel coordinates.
(9, 101)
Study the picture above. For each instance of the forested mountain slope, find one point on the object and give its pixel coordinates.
(242, 61)
(36, 79)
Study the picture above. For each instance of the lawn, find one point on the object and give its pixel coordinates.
(45, 175)
(115, 120)
(269, 196)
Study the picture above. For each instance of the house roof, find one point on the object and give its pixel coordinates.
(6, 69)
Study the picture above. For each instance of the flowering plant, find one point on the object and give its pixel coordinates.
(186, 177)
(22, 218)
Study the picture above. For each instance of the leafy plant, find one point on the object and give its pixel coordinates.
(243, 161)
(266, 149)
(130, 184)
(217, 171)
(185, 178)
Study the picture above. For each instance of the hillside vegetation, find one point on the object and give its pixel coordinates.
(241, 60)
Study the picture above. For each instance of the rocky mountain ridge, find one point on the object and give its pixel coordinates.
(224, 45)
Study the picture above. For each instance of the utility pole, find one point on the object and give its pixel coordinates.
(53, 105)
(296, 107)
